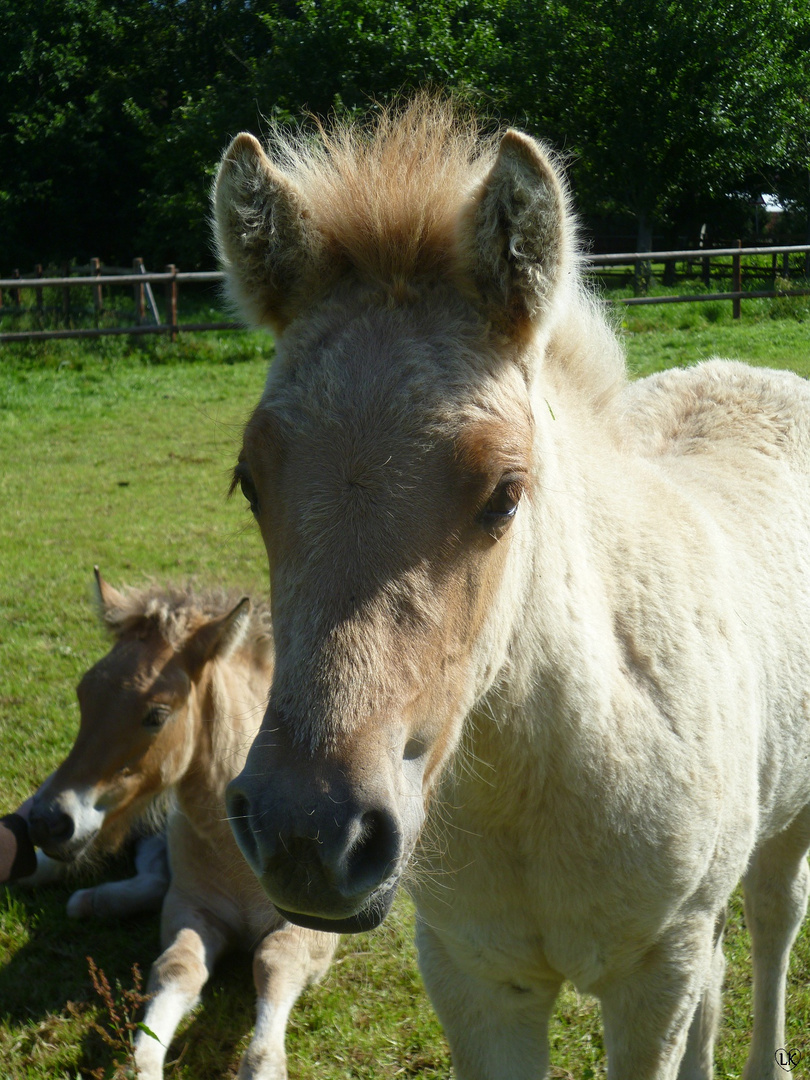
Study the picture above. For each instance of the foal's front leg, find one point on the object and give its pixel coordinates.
(649, 1011)
(287, 961)
(496, 1030)
(776, 888)
(175, 981)
(142, 892)
(698, 1061)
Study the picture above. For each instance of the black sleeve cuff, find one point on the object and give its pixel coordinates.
(18, 856)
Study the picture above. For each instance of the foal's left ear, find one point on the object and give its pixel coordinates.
(108, 597)
(514, 240)
(219, 637)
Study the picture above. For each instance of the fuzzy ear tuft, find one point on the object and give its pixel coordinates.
(514, 242)
(266, 244)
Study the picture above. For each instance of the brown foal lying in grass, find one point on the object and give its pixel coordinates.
(172, 709)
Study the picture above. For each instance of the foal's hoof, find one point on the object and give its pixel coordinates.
(80, 905)
(263, 1064)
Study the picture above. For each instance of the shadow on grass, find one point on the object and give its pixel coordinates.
(46, 952)
(45, 985)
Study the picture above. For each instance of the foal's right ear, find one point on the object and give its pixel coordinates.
(219, 637)
(267, 246)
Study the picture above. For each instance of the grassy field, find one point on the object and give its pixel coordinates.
(120, 455)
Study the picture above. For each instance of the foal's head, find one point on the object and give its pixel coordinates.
(140, 707)
(409, 271)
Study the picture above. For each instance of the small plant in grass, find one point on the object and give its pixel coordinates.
(119, 1034)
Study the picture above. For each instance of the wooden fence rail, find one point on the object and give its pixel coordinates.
(140, 281)
(736, 295)
(629, 257)
(171, 279)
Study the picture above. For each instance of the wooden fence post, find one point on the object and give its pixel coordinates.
(736, 282)
(95, 270)
(38, 273)
(171, 301)
(16, 294)
(66, 296)
(140, 299)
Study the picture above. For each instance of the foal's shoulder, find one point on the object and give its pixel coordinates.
(719, 404)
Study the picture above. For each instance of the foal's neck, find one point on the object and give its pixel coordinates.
(225, 711)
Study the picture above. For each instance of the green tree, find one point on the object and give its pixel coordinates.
(71, 97)
(113, 113)
(786, 169)
(89, 90)
(658, 102)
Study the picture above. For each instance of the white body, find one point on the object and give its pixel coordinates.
(648, 743)
(543, 634)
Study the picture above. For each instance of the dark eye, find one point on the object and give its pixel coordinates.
(503, 503)
(243, 478)
(156, 717)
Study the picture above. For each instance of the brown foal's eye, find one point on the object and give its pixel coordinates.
(242, 477)
(156, 717)
(503, 502)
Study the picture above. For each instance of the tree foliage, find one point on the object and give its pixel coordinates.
(663, 104)
(113, 114)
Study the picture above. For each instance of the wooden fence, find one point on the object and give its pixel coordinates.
(145, 315)
(639, 259)
(146, 319)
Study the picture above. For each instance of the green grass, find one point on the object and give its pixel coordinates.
(774, 333)
(120, 454)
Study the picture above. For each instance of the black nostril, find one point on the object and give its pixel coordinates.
(238, 807)
(375, 851)
(50, 825)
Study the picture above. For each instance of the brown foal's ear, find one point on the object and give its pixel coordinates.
(108, 598)
(218, 637)
(514, 240)
(271, 254)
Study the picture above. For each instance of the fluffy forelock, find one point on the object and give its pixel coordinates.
(386, 195)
